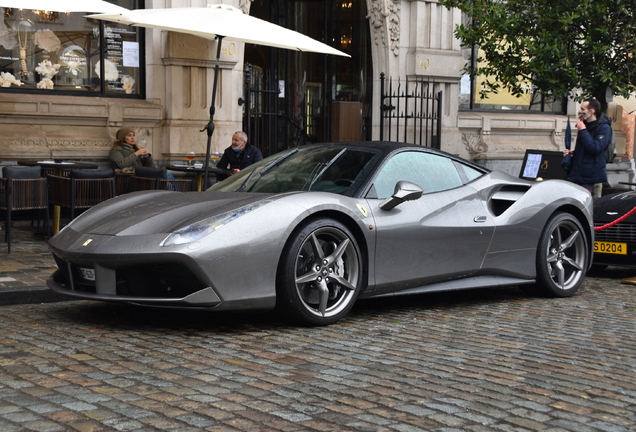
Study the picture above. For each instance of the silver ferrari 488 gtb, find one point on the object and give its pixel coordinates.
(311, 229)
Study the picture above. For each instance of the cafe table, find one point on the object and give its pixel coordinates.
(198, 171)
(58, 166)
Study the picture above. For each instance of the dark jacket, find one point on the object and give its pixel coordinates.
(123, 156)
(233, 160)
(588, 164)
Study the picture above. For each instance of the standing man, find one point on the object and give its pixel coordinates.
(588, 156)
(239, 155)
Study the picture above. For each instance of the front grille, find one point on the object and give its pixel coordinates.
(164, 280)
(621, 232)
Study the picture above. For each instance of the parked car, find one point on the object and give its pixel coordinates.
(615, 244)
(310, 230)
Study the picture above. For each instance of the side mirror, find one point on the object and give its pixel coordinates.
(404, 191)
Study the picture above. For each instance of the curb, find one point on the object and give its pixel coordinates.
(30, 295)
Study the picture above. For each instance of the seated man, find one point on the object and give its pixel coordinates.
(239, 155)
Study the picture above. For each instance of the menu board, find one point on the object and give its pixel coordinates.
(542, 164)
(121, 57)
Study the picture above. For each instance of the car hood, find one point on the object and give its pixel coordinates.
(611, 207)
(159, 212)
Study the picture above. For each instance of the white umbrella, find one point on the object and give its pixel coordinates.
(64, 5)
(219, 22)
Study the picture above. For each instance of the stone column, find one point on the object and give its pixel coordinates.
(415, 39)
(180, 74)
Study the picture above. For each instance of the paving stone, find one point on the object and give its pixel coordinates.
(483, 360)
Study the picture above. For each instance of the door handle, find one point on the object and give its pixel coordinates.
(480, 219)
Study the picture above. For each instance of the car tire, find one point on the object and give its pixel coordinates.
(320, 273)
(562, 257)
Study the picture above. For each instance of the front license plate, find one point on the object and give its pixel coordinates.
(87, 273)
(610, 248)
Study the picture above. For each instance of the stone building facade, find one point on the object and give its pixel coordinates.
(407, 39)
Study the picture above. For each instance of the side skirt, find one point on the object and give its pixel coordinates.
(459, 284)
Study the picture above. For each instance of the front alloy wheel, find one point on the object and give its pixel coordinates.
(320, 273)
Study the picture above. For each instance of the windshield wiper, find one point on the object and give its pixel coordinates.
(313, 175)
(325, 166)
(277, 161)
(267, 169)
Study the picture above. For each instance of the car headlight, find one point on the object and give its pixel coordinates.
(198, 230)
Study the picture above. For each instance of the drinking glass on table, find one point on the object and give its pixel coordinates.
(190, 157)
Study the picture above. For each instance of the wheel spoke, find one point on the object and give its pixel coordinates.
(560, 273)
(342, 281)
(337, 254)
(323, 293)
(572, 263)
(569, 241)
(557, 234)
(307, 277)
(315, 245)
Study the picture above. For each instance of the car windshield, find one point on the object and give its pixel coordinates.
(326, 169)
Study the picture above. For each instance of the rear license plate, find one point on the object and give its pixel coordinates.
(610, 248)
(87, 273)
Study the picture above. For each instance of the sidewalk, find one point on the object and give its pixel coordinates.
(24, 271)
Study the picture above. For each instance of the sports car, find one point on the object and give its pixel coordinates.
(308, 231)
(615, 240)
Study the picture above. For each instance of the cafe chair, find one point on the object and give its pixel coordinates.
(21, 189)
(147, 178)
(122, 182)
(47, 171)
(82, 189)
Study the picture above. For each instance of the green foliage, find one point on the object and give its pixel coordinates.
(559, 45)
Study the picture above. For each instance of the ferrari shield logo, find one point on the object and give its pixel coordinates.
(87, 242)
(362, 209)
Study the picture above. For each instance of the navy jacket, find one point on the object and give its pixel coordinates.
(588, 164)
(232, 160)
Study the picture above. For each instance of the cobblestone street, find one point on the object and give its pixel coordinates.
(484, 360)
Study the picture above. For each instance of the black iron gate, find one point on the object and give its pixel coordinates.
(265, 119)
(261, 106)
(411, 113)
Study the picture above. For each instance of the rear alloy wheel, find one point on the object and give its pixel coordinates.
(562, 257)
(320, 273)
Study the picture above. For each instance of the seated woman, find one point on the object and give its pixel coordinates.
(125, 152)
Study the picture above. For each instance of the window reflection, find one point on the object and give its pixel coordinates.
(476, 94)
(63, 52)
(431, 172)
